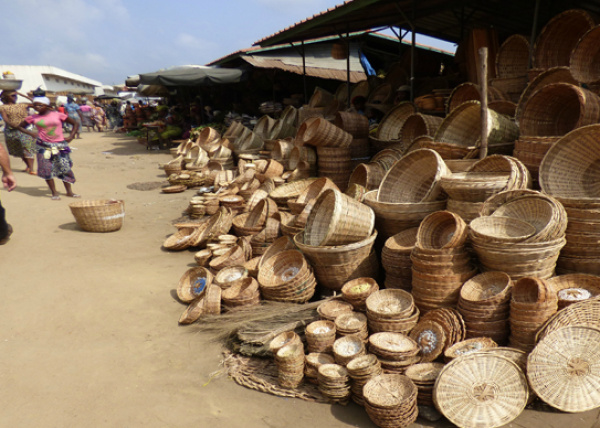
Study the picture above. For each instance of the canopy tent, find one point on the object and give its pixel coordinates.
(189, 75)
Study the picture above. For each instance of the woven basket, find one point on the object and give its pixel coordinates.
(567, 169)
(103, 215)
(320, 98)
(512, 58)
(471, 92)
(462, 127)
(558, 108)
(497, 229)
(507, 108)
(574, 288)
(486, 388)
(553, 75)
(441, 230)
(193, 283)
(417, 125)
(368, 175)
(559, 36)
(488, 288)
(580, 65)
(354, 124)
(391, 124)
(320, 132)
(563, 369)
(414, 178)
(474, 186)
(337, 219)
(289, 191)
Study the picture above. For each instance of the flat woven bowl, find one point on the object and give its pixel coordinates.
(500, 229)
(431, 338)
(585, 314)
(441, 230)
(569, 167)
(282, 268)
(468, 346)
(575, 287)
(414, 178)
(290, 190)
(564, 369)
(389, 391)
(193, 283)
(331, 309)
(483, 390)
(390, 303)
(474, 186)
(488, 287)
(104, 215)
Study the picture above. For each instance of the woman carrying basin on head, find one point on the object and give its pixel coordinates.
(53, 152)
(19, 144)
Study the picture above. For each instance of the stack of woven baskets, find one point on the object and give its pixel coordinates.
(493, 174)
(391, 400)
(361, 370)
(408, 193)
(356, 125)
(395, 351)
(286, 277)
(484, 305)
(441, 263)
(395, 259)
(520, 233)
(391, 311)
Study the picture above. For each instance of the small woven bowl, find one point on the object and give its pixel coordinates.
(500, 229)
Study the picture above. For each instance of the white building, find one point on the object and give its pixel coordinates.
(52, 79)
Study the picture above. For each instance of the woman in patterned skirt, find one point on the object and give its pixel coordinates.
(19, 144)
(53, 152)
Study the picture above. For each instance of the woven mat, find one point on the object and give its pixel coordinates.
(260, 374)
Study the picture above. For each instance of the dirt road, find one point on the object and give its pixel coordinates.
(88, 322)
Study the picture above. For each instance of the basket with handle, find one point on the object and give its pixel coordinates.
(103, 215)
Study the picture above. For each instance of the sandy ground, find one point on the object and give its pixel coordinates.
(88, 321)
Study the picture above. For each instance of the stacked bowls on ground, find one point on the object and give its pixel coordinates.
(493, 174)
(395, 351)
(520, 232)
(484, 304)
(424, 376)
(334, 383)
(312, 362)
(569, 173)
(320, 336)
(286, 277)
(574, 287)
(395, 258)
(533, 303)
(361, 370)
(352, 323)
(290, 365)
(338, 240)
(346, 348)
(408, 193)
(391, 401)
(436, 331)
(358, 290)
(356, 125)
(391, 310)
(440, 261)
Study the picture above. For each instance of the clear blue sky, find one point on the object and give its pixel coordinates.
(108, 40)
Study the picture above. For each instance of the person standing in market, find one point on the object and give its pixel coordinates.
(19, 144)
(53, 152)
(113, 115)
(9, 182)
(74, 112)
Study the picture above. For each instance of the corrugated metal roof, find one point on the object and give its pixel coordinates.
(445, 19)
(323, 73)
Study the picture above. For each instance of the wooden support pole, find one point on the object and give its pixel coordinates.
(483, 63)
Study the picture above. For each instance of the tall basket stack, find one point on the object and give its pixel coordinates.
(395, 259)
(440, 262)
(568, 172)
(356, 125)
(520, 233)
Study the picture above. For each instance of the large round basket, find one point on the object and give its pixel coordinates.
(104, 215)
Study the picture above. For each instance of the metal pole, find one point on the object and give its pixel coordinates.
(483, 63)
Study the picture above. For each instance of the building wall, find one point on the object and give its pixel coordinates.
(52, 79)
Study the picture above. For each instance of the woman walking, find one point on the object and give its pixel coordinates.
(53, 149)
(19, 144)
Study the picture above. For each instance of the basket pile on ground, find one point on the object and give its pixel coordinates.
(348, 347)
(424, 376)
(417, 125)
(320, 336)
(395, 351)
(357, 291)
(356, 125)
(484, 304)
(575, 287)
(334, 383)
(440, 261)
(563, 369)
(391, 311)
(197, 234)
(584, 314)
(436, 331)
(352, 323)
(391, 400)
(408, 193)
(361, 370)
(244, 293)
(481, 390)
(208, 303)
(568, 173)
(533, 302)
(493, 174)
(468, 346)
(395, 259)
(290, 365)
(368, 175)
(459, 134)
(388, 131)
(521, 233)
(286, 277)
(338, 240)
(312, 362)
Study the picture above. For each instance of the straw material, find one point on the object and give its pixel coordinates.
(103, 215)
(471, 92)
(512, 58)
(368, 175)
(574, 288)
(320, 132)
(559, 36)
(391, 124)
(584, 314)
(482, 390)
(462, 127)
(441, 230)
(563, 369)
(337, 219)
(354, 124)
(414, 178)
(583, 56)
(497, 229)
(417, 125)
(557, 109)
